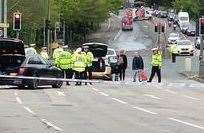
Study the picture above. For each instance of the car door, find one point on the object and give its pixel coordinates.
(40, 68)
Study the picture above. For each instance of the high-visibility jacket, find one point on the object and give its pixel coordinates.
(157, 59)
(44, 54)
(79, 62)
(89, 59)
(57, 52)
(64, 61)
(174, 49)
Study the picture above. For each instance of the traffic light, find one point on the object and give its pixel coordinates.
(201, 23)
(17, 21)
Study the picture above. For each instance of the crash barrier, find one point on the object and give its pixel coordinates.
(49, 79)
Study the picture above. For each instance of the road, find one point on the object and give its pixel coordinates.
(175, 105)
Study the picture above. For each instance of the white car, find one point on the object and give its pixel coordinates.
(111, 56)
(173, 38)
(185, 47)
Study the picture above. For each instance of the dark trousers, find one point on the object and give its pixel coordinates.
(122, 73)
(155, 70)
(89, 72)
(68, 74)
(79, 75)
(173, 56)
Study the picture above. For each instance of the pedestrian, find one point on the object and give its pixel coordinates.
(156, 64)
(122, 62)
(79, 67)
(174, 52)
(56, 53)
(89, 60)
(65, 63)
(31, 50)
(137, 65)
(44, 53)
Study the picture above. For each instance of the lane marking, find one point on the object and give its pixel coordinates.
(193, 98)
(15, 93)
(144, 110)
(176, 85)
(104, 94)
(152, 96)
(170, 91)
(19, 100)
(60, 93)
(186, 123)
(49, 124)
(120, 101)
(29, 110)
(95, 89)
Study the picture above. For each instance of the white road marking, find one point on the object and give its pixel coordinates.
(49, 124)
(152, 96)
(60, 93)
(193, 98)
(95, 89)
(196, 85)
(120, 101)
(29, 110)
(144, 110)
(15, 93)
(186, 123)
(170, 91)
(19, 100)
(176, 84)
(104, 94)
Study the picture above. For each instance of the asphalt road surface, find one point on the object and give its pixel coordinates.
(175, 105)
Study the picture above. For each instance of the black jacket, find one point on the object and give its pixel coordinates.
(137, 63)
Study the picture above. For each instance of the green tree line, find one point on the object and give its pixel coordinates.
(81, 17)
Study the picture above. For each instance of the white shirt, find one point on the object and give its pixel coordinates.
(30, 51)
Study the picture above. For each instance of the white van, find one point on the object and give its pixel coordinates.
(183, 17)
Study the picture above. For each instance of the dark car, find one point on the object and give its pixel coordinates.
(171, 16)
(191, 31)
(15, 63)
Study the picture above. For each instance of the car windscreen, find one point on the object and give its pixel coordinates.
(110, 52)
(11, 48)
(184, 43)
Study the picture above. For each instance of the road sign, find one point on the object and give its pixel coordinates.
(4, 25)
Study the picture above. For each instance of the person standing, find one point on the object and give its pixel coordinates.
(122, 62)
(137, 65)
(174, 52)
(79, 67)
(44, 53)
(89, 59)
(31, 50)
(156, 65)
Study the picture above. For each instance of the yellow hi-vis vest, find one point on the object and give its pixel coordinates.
(89, 59)
(65, 60)
(157, 59)
(79, 62)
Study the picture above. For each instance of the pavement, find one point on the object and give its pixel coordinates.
(175, 105)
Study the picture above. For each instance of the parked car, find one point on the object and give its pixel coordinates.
(112, 59)
(173, 38)
(185, 47)
(171, 16)
(184, 26)
(101, 67)
(191, 31)
(163, 14)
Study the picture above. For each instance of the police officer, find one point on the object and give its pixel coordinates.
(30, 50)
(56, 54)
(44, 53)
(174, 52)
(79, 67)
(89, 59)
(65, 63)
(156, 64)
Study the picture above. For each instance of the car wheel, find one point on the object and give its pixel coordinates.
(34, 83)
(191, 54)
(57, 84)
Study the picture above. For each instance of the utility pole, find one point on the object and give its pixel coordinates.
(5, 18)
(48, 31)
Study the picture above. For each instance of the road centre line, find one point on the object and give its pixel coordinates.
(186, 123)
(120, 101)
(144, 110)
(29, 110)
(170, 91)
(60, 93)
(19, 100)
(104, 94)
(193, 98)
(152, 96)
(49, 124)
